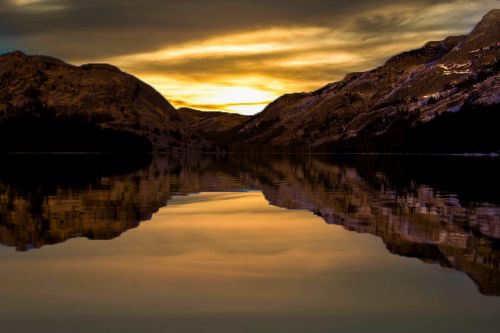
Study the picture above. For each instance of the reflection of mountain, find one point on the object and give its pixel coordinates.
(451, 219)
(36, 211)
(417, 221)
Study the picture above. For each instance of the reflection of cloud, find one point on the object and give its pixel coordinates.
(209, 256)
(220, 54)
(231, 223)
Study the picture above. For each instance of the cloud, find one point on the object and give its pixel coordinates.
(96, 28)
(37, 6)
(200, 52)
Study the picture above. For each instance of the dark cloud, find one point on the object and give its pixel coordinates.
(95, 28)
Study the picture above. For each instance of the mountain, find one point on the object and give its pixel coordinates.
(49, 105)
(441, 98)
(396, 106)
(209, 124)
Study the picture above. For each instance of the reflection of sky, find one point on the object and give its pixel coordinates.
(232, 261)
(233, 55)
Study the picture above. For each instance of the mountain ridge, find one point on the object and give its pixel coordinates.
(386, 109)
(106, 102)
(428, 81)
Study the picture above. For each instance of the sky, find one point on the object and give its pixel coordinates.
(232, 55)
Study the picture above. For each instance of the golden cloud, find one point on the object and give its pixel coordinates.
(243, 71)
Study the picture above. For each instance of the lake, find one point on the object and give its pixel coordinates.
(235, 243)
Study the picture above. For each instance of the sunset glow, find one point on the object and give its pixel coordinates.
(242, 166)
(234, 58)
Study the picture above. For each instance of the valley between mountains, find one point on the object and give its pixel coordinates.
(441, 98)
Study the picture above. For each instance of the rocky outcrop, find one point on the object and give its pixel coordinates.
(47, 104)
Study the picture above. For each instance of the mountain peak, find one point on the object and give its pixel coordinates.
(91, 107)
(485, 34)
(494, 13)
(416, 87)
(489, 22)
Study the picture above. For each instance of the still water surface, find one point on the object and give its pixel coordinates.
(235, 244)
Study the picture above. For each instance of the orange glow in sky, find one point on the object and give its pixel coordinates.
(242, 72)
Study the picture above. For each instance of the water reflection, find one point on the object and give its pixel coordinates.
(442, 210)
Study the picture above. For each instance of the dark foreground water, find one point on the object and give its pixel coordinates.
(247, 244)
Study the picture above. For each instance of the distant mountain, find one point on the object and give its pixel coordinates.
(49, 105)
(209, 124)
(410, 103)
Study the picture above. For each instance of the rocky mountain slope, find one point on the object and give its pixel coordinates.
(47, 104)
(409, 90)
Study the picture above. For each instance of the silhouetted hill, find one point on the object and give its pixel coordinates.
(49, 105)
